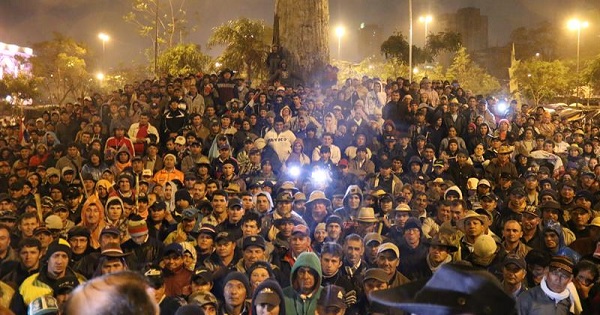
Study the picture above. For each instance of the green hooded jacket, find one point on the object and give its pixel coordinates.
(295, 304)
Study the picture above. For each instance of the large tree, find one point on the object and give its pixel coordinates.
(182, 60)
(246, 45)
(61, 67)
(171, 17)
(543, 80)
(301, 29)
(470, 75)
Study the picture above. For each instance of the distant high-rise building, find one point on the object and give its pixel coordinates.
(472, 26)
(369, 40)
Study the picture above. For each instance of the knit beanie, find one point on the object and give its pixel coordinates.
(236, 275)
(59, 245)
(137, 228)
(183, 194)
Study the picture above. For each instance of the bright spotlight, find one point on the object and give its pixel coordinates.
(294, 171)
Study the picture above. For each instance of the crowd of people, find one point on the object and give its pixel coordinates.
(285, 198)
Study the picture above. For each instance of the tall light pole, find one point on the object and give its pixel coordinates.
(339, 32)
(410, 39)
(156, 41)
(577, 25)
(104, 38)
(426, 19)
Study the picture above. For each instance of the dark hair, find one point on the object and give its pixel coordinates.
(334, 249)
(587, 265)
(251, 216)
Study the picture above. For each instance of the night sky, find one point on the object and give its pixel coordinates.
(28, 21)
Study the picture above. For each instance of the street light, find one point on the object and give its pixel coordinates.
(339, 32)
(426, 19)
(577, 25)
(104, 38)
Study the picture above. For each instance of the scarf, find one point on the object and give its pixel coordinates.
(434, 269)
(570, 292)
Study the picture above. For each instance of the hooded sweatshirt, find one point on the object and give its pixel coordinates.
(563, 249)
(300, 304)
(274, 286)
(95, 232)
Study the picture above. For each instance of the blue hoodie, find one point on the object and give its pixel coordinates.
(563, 250)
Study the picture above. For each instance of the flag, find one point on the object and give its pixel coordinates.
(513, 85)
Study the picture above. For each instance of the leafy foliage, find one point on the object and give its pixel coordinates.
(443, 42)
(395, 48)
(182, 59)
(542, 80)
(173, 23)
(592, 73)
(470, 75)
(246, 45)
(60, 66)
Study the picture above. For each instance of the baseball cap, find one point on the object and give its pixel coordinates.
(268, 296)
(224, 236)
(515, 259)
(301, 228)
(257, 241)
(332, 296)
(174, 248)
(377, 274)
(388, 246)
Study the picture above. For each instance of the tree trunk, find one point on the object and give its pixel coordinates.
(301, 29)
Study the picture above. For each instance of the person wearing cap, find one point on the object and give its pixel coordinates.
(361, 165)
(514, 271)
(112, 260)
(375, 279)
(388, 259)
(229, 175)
(331, 301)
(253, 249)
(145, 249)
(305, 285)
(473, 225)
(55, 265)
(283, 209)
(207, 302)
(500, 164)
(513, 210)
(185, 228)
(552, 211)
(552, 295)
(268, 299)
(178, 278)
(413, 250)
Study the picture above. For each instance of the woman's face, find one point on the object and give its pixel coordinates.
(453, 147)
(34, 180)
(168, 192)
(257, 276)
(451, 132)
(483, 129)
(297, 148)
(95, 159)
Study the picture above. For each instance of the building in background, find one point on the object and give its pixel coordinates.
(472, 26)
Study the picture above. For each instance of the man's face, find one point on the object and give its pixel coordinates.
(28, 225)
(330, 264)
(551, 240)
(234, 293)
(513, 274)
(372, 285)
(353, 201)
(112, 266)
(444, 213)
(529, 221)
(474, 227)
(225, 248)
(299, 243)
(250, 228)
(305, 280)
(512, 232)
(188, 224)
(173, 262)
(284, 207)
(30, 257)
(4, 240)
(262, 204)
(57, 264)
(557, 279)
(253, 254)
(334, 230)
(219, 204)
(235, 213)
(457, 212)
(78, 244)
(580, 217)
(388, 261)
(438, 254)
(400, 218)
